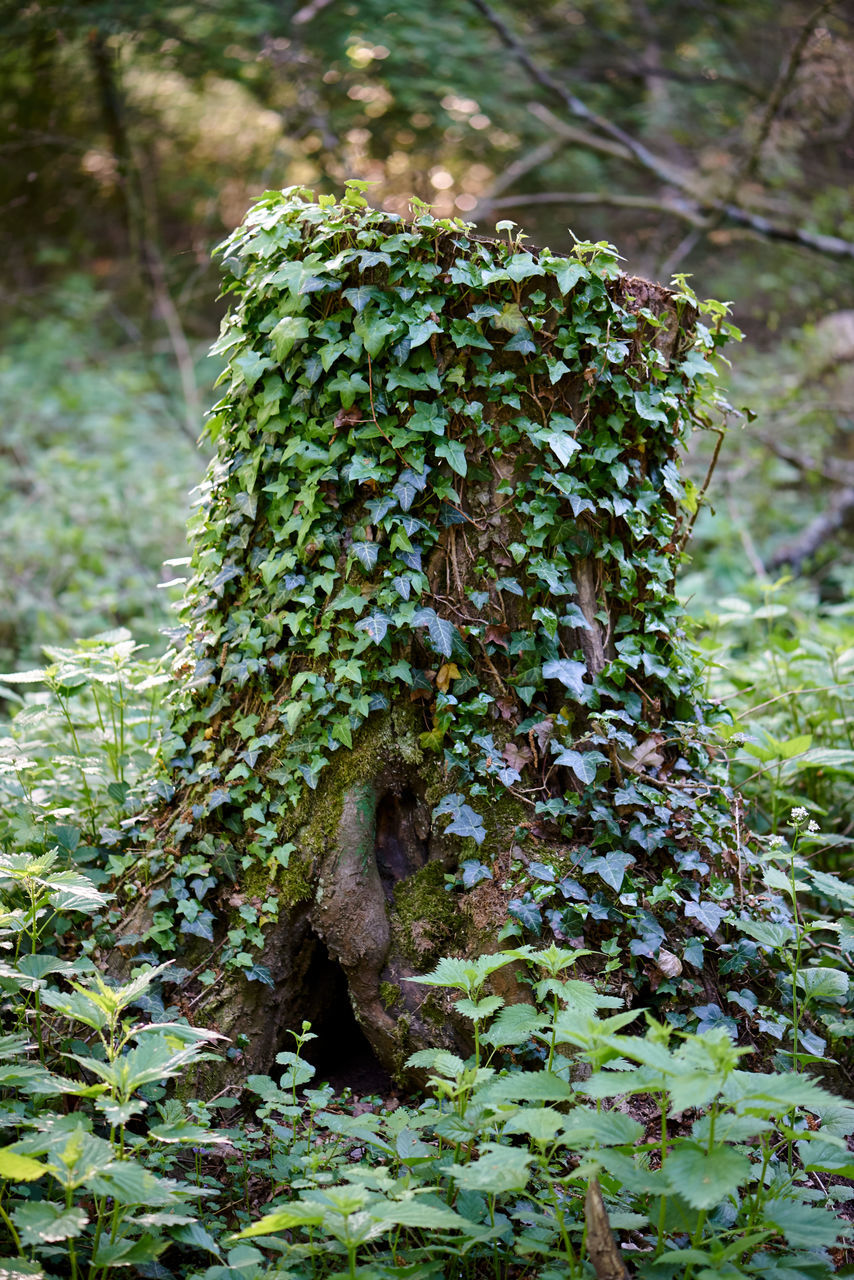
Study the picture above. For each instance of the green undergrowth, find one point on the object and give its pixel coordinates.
(95, 472)
(577, 1130)
(705, 1165)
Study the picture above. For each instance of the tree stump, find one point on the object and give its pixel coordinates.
(430, 680)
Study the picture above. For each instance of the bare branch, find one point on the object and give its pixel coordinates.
(524, 164)
(309, 11)
(615, 199)
(580, 137)
(785, 80)
(573, 104)
(808, 542)
(704, 205)
(836, 470)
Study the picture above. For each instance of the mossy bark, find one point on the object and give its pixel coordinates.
(365, 890)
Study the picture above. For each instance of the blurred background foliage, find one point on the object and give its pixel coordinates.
(713, 138)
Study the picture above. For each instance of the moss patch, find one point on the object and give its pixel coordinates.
(427, 921)
(389, 994)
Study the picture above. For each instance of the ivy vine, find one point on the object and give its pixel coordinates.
(422, 435)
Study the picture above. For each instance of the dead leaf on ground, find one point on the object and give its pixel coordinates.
(669, 964)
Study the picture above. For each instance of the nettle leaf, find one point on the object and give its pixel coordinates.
(611, 867)
(705, 1178)
(502, 1168)
(18, 1168)
(571, 675)
(46, 1223)
(823, 984)
(766, 933)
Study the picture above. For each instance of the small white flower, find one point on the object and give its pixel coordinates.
(813, 827)
(798, 814)
(775, 842)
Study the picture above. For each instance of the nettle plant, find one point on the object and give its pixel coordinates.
(668, 1155)
(432, 596)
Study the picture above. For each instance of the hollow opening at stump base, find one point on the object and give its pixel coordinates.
(341, 1054)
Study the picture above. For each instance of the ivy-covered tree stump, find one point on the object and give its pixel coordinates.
(431, 683)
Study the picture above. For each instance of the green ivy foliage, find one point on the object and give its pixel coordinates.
(395, 391)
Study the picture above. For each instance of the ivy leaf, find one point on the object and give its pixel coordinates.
(465, 821)
(563, 446)
(402, 586)
(359, 298)
(419, 333)
(571, 674)
(474, 872)
(373, 330)
(442, 634)
(467, 824)
(251, 365)
(409, 484)
(611, 867)
(522, 266)
(526, 911)
(288, 331)
(540, 871)
(441, 631)
(259, 973)
(367, 553)
(568, 274)
(373, 258)
(412, 559)
(647, 406)
(455, 453)
(362, 468)
(583, 765)
(376, 626)
(707, 914)
(317, 284)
